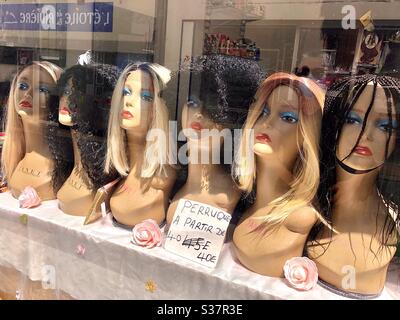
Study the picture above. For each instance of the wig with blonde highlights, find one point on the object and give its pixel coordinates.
(156, 154)
(14, 142)
(306, 169)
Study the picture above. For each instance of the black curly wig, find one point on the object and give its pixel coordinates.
(225, 85)
(89, 102)
(340, 99)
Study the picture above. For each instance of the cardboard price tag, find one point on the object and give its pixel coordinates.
(197, 232)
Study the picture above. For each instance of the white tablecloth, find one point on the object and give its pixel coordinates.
(113, 268)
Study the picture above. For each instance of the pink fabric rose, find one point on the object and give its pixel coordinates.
(29, 198)
(301, 273)
(80, 250)
(147, 234)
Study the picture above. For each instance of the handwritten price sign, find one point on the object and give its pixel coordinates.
(197, 232)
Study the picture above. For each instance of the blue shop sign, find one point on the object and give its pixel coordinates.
(89, 17)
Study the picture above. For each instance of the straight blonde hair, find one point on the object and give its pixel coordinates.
(156, 155)
(14, 142)
(306, 170)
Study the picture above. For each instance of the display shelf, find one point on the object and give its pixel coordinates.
(43, 241)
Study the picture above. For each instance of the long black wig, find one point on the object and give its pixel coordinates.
(339, 101)
(89, 102)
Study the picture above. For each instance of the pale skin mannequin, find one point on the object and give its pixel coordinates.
(206, 182)
(33, 87)
(75, 196)
(136, 198)
(276, 151)
(357, 245)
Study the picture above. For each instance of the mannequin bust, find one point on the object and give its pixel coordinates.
(358, 193)
(285, 119)
(26, 159)
(221, 91)
(138, 145)
(77, 138)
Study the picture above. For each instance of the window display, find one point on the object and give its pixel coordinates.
(227, 149)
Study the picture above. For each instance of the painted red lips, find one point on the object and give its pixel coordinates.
(65, 110)
(263, 138)
(25, 104)
(126, 114)
(363, 151)
(196, 126)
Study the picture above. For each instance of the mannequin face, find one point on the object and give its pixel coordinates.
(138, 102)
(32, 94)
(370, 151)
(195, 118)
(275, 131)
(64, 112)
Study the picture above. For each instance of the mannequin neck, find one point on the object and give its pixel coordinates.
(201, 167)
(77, 152)
(272, 180)
(355, 192)
(35, 140)
(136, 144)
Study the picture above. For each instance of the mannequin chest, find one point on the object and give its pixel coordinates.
(353, 258)
(75, 196)
(135, 201)
(266, 253)
(35, 171)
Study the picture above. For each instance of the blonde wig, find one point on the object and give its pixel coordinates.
(156, 155)
(306, 170)
(14, 142)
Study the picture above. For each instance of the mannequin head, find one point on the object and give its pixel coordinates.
(286, 119)
(85, 97)
(221, 89)
(32, 94)
(360, 136)
(220, 92)
(85, 100)
(137, 109)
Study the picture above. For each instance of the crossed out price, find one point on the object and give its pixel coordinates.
(197, 244)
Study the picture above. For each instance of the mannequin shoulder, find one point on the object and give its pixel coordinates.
(302, 220)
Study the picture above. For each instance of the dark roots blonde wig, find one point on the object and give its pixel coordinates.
(156, 154)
